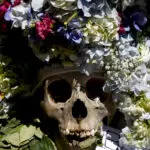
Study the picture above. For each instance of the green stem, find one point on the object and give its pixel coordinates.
(70, 18)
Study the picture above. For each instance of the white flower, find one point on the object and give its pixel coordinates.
(144, 52)
(37, 4)
(63, 4)
(126, 3)
(19, 15)
(145, 116)
(140, 81)
(133, 110)
(99, 148)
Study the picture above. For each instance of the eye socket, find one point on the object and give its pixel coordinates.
(94, 88)
(60, 90)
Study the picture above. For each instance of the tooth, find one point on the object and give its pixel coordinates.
(74, 143)
(61, 130)
(83, 134)
(88, 133)
(67, 132)
(64, 132)
(77, 133)
(71, 133)
(93, 132)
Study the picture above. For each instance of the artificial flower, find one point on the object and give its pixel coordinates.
(126, 3)
(133, 110)
(73, 35)
(44, 27)
(101, 31)
(95, 8)
(19, 15)
(1, 96)
(144, 50)
(37, 5)
(15, 2)
(139, 81)
(145, 116)
(3, 8)
(139, 20)
(65, 4)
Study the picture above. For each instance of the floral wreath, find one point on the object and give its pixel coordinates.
(107, 35)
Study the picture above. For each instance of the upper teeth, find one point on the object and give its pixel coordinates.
(82, 134)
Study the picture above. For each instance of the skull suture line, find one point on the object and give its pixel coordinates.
(73, 99)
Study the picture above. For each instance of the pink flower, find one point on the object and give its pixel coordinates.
(3, 8)
(44, 27)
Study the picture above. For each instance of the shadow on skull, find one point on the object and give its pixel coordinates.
(78, 105)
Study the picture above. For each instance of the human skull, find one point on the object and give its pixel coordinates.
(74, 100)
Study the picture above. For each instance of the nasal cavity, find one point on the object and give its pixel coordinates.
(79, 110)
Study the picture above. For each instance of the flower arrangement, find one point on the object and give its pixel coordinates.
(109, 35)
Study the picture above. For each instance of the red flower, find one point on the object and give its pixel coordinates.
(16, 2)
(3, 8)
(44, 27)
(122, 29)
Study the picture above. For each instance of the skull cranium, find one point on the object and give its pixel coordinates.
(73, 99)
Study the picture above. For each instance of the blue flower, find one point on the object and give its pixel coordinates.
(139, 20)
(73, 35)
(74, 24)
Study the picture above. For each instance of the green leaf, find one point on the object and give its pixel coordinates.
(44, 144)
(26, 142)
(2, 145)
(13, 130)
(4, 149)
(87, 142)
(13, 139)
(47, 144)
(11, 127)
(27, 132)
(34, 145)
(14, 148)
(38, 133)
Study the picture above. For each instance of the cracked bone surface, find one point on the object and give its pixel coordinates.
(75, 101)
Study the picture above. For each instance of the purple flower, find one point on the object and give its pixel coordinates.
(74, 24)
(7, 15)
(139, 20)
(73, 35)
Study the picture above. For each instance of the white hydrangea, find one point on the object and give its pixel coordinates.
(64, 4)
(145, 116)
(144, 50)
(101, 31)
(133, 110)
(19, 15)
(140, 81)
